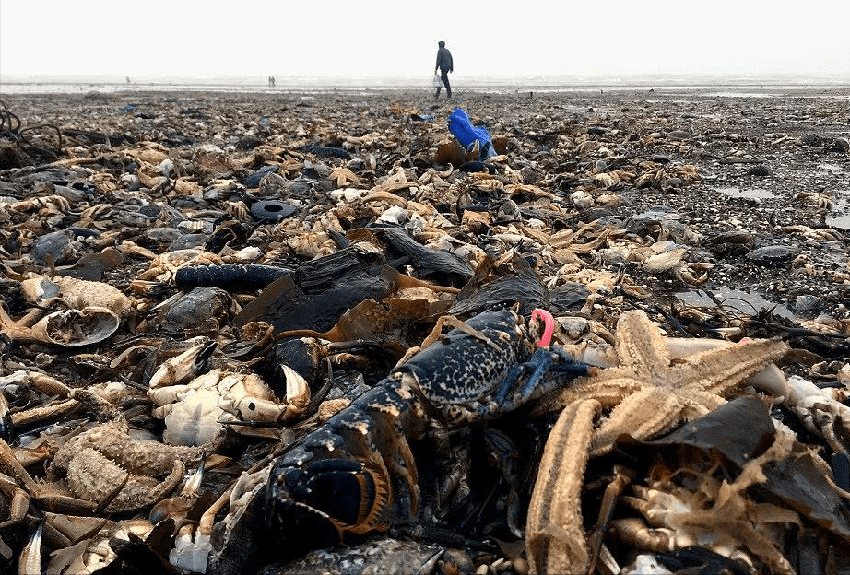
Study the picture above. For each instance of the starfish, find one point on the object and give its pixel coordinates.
(20, 330)
(650, 393)
(344, 176)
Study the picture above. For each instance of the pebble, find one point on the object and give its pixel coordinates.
(806, 303)
(205, 308)
(772, 255)
(53, 246)
(760, 170)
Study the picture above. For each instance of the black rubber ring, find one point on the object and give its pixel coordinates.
(271, 210)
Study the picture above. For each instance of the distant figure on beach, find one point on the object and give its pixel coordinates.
(446, 64)
(128, 79)
(271, 82)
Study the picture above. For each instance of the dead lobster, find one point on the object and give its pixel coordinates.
(357, 474)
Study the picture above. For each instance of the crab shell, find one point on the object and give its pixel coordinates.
(76, 328)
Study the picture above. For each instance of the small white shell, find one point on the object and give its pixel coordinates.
(581, 199)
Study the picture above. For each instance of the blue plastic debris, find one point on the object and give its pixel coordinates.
(462, 129)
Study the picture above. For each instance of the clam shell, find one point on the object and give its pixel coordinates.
(75, 328)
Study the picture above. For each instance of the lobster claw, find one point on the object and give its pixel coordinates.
(326, 500)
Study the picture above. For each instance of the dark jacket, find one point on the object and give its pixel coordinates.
(444, 61)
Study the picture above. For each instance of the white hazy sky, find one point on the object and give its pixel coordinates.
(398, 38)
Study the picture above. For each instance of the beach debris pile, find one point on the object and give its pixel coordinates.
(351, 333)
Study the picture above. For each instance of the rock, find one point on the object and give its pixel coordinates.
(772, 255)
(203, 308)
(73, 195)
(57, 245)
(807, 304)
(760, 170)
(811, 140)
(838, 145)
(187, 242)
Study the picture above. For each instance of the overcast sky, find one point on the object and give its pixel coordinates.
(399, 38)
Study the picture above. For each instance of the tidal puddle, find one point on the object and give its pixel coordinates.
(753, 194)
(745, 302)
(729, 94)
(840, 216)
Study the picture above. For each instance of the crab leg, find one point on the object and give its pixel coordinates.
(20, 500)
(51, 500)
(29, 563)
(19, 330)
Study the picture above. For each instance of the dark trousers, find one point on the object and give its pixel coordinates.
(445, 77)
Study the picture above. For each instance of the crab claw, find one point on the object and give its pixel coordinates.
(329, 499)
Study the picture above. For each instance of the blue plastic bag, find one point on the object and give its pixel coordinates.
(466, 134)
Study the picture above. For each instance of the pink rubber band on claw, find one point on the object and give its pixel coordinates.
(549, 322)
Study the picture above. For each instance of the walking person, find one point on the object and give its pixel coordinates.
(445, 63)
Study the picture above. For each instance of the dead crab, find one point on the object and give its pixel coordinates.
(163, 267)
(103, 468)
(195, 406)
(692, 506)
(105, 462)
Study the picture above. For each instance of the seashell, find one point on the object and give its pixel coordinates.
(581, 199)
(76, 328)
(193, 226)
